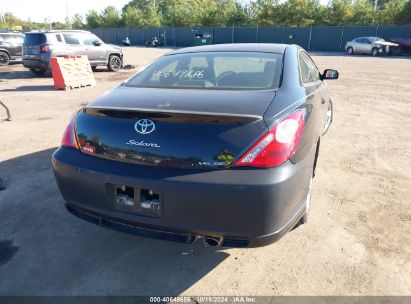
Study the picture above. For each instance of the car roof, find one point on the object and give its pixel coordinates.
(57, 31)
(6, 32)
(235, 47)
(368, 37)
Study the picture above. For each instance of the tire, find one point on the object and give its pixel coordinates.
(328, 118)
(304, 218)
(397, 51)
(38, 71)
(374, 52)
(94, 68)
(4, 58)
(114, 63)
(350, 51)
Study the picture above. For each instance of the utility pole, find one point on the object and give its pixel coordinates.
(68, 16)
(375, 10)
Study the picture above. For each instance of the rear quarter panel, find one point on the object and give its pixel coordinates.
(293, 95)
(314, 121)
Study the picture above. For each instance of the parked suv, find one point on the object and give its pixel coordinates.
(38, 47)
(10, 46)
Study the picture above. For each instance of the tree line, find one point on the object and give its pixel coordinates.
(198, 13)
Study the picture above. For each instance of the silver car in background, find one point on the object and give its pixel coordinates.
(39, 47)
(369, 45)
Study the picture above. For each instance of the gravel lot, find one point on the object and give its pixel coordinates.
(358, 240)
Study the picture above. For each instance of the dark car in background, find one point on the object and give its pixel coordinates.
(216, 142)
(39, 47)
(404, 45)
(10, 46)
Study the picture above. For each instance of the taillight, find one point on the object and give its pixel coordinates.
(69, 136)
(277, 145)
(44, 49)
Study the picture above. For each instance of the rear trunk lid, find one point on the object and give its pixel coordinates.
(32, 43)
(173, 127)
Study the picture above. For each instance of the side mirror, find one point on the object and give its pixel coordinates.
(330, 74)
(97, 43)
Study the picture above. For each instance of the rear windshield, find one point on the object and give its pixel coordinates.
(34, 39)
(212, 70)
(13, 38)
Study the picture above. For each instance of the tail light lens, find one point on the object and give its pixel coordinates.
(44, 49)
(277, 145)
(69, 137)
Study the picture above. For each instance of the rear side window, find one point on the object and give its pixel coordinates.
(58, 37)
(213, 71)
(308, 70)
(10, 38)
(71, 39)
(34, 39)
(19, 38)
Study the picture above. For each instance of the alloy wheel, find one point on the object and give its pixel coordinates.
(115, 63)
(4, 58)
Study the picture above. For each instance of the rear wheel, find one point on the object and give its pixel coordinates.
(350, 51)
(114, 63)
(4, 58)
(38, 71)
(374, 51)
(396, 51)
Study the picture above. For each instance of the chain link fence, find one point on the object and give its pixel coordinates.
(316, 38)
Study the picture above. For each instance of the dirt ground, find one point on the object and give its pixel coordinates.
(357, 242)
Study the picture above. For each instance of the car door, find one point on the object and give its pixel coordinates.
(19, 44)
(359, 45)
(364, 46)
(74, 46)
(10, 44)
(311, 81)
(1, 41)
(367, 46)
(96, 52)
(324, 93)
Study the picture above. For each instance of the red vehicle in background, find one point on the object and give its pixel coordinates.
(404, 45)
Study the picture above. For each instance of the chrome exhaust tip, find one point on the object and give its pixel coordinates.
(213, 241)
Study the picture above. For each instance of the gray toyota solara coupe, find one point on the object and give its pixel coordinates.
(216, 142)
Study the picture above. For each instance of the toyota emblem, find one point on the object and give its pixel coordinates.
(144, 126)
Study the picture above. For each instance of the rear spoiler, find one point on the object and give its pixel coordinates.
(171, 115)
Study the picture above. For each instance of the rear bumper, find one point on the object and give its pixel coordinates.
(244, 207)
(35, 63)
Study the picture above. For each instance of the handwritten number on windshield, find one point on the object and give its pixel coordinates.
(182, 74)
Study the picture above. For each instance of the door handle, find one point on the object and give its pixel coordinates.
(323, 100)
